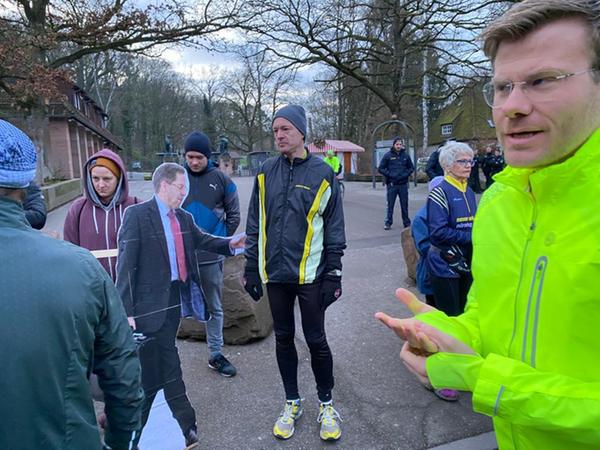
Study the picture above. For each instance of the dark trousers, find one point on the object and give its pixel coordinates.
(400, 191)
(161, 368)
(451, 293)
(282, 297)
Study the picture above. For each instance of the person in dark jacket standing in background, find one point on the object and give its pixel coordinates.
(75, 324)
(295, 244)
(433, 168)
(35, 207)
(213, 201)
(93, 221)
(396, 167)
(493, 163)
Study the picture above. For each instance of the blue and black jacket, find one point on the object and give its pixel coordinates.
(451, 208)
(396, 167)
(213, 201)
(295, 222)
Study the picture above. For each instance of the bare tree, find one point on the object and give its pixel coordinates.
(40, 38)
(378, 43)
(253, 93)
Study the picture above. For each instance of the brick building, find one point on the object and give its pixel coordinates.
(75, 129)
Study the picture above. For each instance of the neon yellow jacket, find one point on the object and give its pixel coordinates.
(333, 162)
(533, 312)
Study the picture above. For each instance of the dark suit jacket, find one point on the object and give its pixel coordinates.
(143, 269)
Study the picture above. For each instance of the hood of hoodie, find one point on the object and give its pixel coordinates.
(122, 191)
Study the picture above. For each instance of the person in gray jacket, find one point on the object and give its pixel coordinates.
(62, 319)
(295, 244)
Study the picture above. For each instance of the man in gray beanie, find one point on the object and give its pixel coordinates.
(212, 200)
(70, 305)
(295, 242)
(295, 115)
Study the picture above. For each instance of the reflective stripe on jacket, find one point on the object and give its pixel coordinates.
(295, 222)
(533, 312)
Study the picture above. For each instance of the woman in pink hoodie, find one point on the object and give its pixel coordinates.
(93, 221)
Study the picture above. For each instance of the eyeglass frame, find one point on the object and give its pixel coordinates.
(489, 86)
(464, 162)
(183, 187)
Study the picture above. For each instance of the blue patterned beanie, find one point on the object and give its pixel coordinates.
(17, 157)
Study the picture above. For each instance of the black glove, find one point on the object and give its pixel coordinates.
(253, 284)
(456, 260)
(331, 289)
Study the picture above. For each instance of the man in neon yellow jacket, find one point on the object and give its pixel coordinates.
(332, 161)
(527, 345)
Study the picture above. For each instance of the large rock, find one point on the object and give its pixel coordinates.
(411, 256)
(245, 320)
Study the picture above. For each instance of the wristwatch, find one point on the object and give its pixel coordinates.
(335, 273)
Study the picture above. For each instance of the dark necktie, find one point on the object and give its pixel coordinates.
(179, 249)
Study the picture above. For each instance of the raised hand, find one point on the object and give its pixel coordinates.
(238, 241)
(422, 339)
(407, 329)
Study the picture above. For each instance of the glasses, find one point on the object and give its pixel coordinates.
(537, 87)
(181, 187)
(465, 162)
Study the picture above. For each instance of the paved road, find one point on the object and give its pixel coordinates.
(383, 407)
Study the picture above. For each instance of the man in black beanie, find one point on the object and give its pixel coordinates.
(212, 200)
(295, 242)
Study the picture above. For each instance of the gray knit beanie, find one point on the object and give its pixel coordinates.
(295, 115)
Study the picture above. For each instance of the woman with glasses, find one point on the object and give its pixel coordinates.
(451, 208)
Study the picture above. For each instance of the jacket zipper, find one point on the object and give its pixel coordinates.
(522, 269)
(516, 307)
(284, 214)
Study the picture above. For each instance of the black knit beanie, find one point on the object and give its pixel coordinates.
(197, 142)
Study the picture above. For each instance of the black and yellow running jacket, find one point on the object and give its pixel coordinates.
(295, 221)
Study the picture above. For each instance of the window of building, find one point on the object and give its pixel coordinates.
(447, 129)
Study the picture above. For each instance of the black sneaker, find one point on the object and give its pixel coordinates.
(220, 364)
(387, 227)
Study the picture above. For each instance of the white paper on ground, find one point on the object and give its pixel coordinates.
(162, 431)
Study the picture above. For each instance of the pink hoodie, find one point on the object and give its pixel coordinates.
(95, 226)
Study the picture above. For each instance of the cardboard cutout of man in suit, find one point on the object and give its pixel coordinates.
(155, 271)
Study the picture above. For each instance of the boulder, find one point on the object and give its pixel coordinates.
(411, 256)
(244, 319)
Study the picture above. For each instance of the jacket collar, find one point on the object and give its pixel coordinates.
(460, 185)
(156, 221)
(540, 182)
(12, 214)
(296, 161)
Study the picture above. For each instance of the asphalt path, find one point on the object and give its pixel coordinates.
(382, 405)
